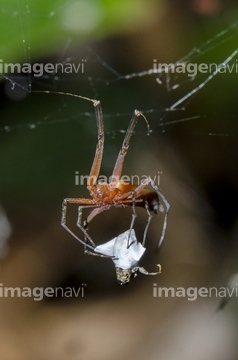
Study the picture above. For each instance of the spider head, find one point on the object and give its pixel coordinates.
(124, 276)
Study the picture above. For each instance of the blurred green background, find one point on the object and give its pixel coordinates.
(46, 138)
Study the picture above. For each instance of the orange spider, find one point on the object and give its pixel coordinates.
(117, 193)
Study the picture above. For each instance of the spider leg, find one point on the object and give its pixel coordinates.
(135, 193)
(83, 228)
(89, 252)
(63, 219)
(130, 197)
(167, 208)
(117, 171)
(96, 212)
(132, 220)
(148, 223)
(88, 203)
(95, 169)
(99, 149)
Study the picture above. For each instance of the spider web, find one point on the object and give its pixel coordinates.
(181, 108)
(170, 96)
(177, 105)
(40, 133)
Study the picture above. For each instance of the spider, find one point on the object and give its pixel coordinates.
(116, 193)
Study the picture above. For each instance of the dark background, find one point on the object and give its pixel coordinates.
(49, 137)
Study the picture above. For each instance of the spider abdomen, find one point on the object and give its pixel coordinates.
(149, 198)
